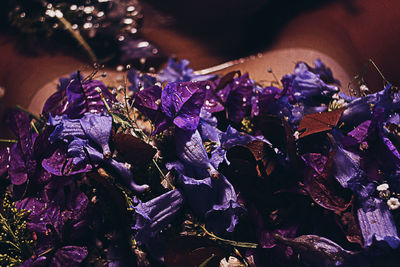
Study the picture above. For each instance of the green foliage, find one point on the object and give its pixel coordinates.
(16, 244)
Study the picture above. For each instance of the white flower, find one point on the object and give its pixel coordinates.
(364, 88)
(296, 135)
(382, 187)
(393, 203)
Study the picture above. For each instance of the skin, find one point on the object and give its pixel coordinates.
(344, 38)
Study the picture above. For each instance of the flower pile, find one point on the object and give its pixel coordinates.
(187, 170)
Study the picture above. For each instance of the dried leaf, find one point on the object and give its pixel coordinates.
(227, 78)
(317, 250)
(347, 221)
(324, 189)
(192, 251)
(132, 149)
(319, 122)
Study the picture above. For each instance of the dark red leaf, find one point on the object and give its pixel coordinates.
(347, 221)
(319, 122)
(192, 251)
(227, 78)
(132, 149)
(277, 130)
(265, 156)
(325, 190)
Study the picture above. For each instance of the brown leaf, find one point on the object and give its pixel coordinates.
(132, 149)
(325, 190)
(192, 251)
(347, 221)
(265, 157)
(319, 122)
(227, 78)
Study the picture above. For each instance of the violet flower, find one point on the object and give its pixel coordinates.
(238, 103)
(47, 222)
(153, 216)
(4, 160)
(98, 128)
(139, 80)
(180, 72)
(181, 103)
(190, 149)
(76, 149)
(213, 200)
(85, 97)
(377, 225)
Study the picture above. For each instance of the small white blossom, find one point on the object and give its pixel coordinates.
(296, 135)
(382, 187)
(364, 88)
(393, 203)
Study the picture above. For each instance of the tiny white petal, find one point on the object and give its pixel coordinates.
(382, 187)
(393, 203)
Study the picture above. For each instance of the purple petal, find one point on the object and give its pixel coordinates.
(17, 170)
(214, 200)
(378, 225)
(182, 102)
(4, 160)
(347, 169)
(69, 256)
(66, 129)
(56, 104)
(190, 149)
(83, 97)
(20, 125)
(60, 165)
(239, 101)
(153, 216)
(98, 128)
(139, 80)
(179, 72)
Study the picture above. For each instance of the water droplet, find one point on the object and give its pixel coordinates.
(87, 25)
(130, 8)
(128, 21)
(143, 44)
(88, 9)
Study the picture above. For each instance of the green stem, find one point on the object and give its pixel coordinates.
(163, 175)
(77, 36)
(9, 230)
(230, 242)
(36, 117)
(8, 141)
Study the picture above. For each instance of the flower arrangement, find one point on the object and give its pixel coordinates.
(185, 170)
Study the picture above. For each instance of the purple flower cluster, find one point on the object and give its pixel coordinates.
(234, 158)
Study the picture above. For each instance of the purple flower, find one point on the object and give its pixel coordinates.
(377, 225)
(238, 104)
(98, 128)
(153, 216)
(4, 160)
(347, 170)
(139, 80)
(305, 84)
(190, 149)
(147, 102)
(57, 103)
(179, 72)
(50, 226)
(181, 102)
(134, 50)
(213, 200)
(65, 129)
(323, 72)
(85, 97)
(81, 159)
